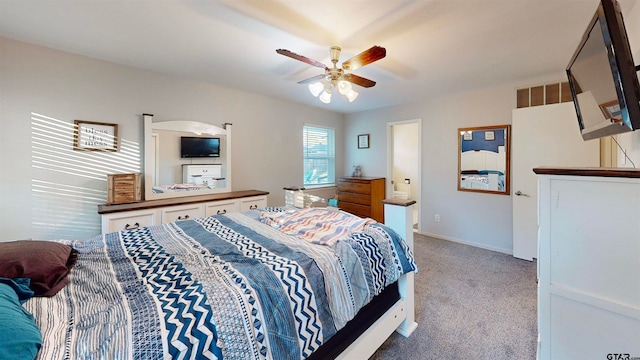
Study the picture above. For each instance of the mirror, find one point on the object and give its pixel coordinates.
(168, 175)
(484, 159)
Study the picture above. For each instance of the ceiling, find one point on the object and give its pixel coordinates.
(434, 47)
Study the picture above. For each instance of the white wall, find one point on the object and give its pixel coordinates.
(481, 219)
(67, 87)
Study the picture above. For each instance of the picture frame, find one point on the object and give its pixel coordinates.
(95, 136)
(363, 141)
(467, 135)
(489, 135)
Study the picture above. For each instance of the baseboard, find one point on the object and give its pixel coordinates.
(481, 246)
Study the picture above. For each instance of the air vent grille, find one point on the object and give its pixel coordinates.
(552, 93)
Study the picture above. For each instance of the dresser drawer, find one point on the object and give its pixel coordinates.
(129, 220)
(354, 187)
(202, 170)
(362, 199)
(186, 212)
(252, 203)
(356, 209)
(221, 207)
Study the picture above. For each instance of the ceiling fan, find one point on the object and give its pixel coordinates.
(334, 77)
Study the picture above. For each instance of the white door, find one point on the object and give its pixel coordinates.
(542, 136)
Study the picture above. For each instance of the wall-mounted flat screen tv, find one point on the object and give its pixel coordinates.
(603, 77)
(193, 147)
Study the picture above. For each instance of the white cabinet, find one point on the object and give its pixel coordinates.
(202, 174)
(146, 213)
(129, 220)
(588, 267)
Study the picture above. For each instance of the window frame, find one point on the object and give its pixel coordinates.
(330, 155)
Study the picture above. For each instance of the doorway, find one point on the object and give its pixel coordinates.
(404, 163)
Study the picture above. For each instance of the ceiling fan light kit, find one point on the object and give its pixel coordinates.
(321, 86)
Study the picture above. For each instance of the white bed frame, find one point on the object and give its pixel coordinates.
(398, 215)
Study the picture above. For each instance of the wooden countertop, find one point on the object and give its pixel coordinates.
(365, 178)
(591, 171)
(399, 202)
(105, 209)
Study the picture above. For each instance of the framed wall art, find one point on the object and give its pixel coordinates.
(95, 136)
(363, 141)
(489, 135)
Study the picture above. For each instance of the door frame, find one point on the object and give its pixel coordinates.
(389, 185)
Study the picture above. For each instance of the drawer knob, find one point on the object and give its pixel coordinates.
(129, 227)
(183, 218)
(222, 212)
(253, 207)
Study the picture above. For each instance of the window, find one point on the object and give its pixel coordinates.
(319, 155)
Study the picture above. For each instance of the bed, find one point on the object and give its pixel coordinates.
(274, 283)
(482, 179)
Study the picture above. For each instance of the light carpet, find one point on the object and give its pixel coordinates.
(471, 303)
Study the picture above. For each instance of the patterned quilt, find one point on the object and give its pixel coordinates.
(221, 287)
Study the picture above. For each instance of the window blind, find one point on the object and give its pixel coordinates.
(319, 155)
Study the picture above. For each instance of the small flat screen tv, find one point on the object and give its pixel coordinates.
(194, 147)
(603, 77)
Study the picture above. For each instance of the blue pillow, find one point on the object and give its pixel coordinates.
(21, 338)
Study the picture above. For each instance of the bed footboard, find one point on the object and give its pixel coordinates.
(400, 317)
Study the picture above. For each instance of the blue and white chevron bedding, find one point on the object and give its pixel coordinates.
(221, 287)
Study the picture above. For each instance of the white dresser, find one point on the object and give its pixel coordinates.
(153, 212)
(202, 174)
(588, 263)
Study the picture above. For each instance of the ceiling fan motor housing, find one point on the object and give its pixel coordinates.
(334, 51)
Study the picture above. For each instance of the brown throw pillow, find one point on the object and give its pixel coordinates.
(46, 263)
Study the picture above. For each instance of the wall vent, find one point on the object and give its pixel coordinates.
(552, 93)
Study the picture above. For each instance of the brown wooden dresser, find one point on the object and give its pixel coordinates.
(362, 196)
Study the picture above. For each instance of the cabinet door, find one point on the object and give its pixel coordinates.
(182, 212)
(221, 207)
(252, 203)
(129, 220)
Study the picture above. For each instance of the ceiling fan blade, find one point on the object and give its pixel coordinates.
(375, 53)
(359, 80)
(304, 59)
(313, 79)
